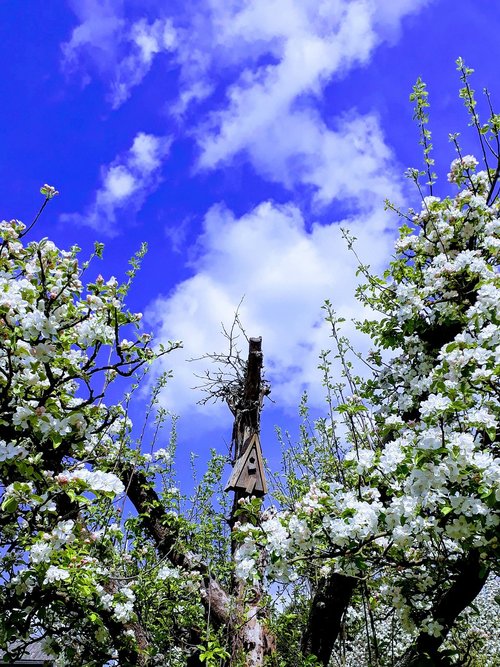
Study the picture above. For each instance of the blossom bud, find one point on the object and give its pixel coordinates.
(62, 479)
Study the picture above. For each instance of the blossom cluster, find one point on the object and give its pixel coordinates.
(97, 480)
(61, 446)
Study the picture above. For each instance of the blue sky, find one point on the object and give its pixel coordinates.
(235, 137)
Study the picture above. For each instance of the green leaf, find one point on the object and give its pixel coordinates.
(491, 433)
(10, 505)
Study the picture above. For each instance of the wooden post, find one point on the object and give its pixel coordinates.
(252, 641)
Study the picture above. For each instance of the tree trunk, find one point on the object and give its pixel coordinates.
(252, 640)
(242, 609)
(328, 607)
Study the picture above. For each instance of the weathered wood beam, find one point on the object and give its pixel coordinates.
(252, 641)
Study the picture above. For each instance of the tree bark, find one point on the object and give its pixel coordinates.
(247, 413)
(252, 641)
(328, 607)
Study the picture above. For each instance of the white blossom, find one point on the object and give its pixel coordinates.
(55, 574)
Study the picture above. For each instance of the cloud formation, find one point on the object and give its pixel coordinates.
(284, 271)
(125, 183)
(252, 81)
(270, 112)
(261, 69)
(116, 49)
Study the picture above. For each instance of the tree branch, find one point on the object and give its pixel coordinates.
(158, 524)
(469, 580)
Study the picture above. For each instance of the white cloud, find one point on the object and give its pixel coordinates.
(272, 60)
(125, 183)
(147, 40)
(116, 49)
(350, 162)
(270, 113)
(388, 15)
(284, 272)
(119, 183)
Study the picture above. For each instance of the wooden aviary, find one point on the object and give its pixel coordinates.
(248, 475)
